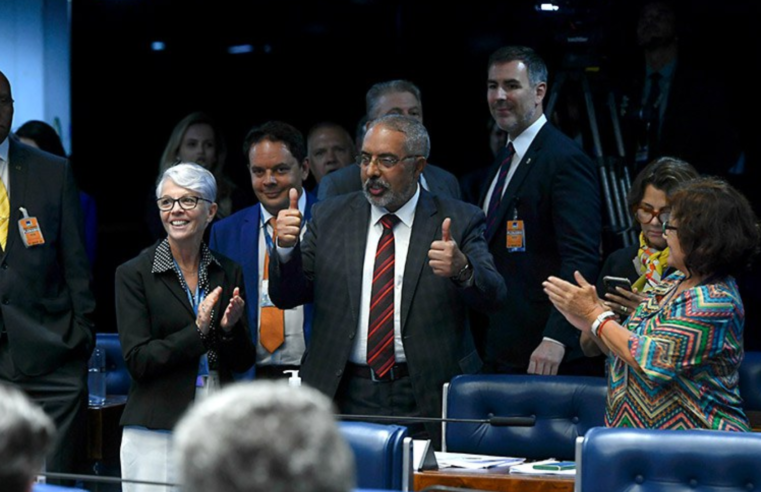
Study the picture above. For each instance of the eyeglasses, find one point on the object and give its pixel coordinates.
(645, 214)
(386, 161)
(667, 227)
(186, 202)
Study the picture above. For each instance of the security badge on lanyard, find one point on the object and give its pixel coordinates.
(516, 233)
(30, 230)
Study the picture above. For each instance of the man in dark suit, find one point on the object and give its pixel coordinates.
(46, 329)
(392, 97)
(388, 330)
(277, 163)
(658, 100)
(542, 202)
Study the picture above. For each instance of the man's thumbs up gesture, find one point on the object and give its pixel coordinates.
(289, 222)
(445, 258)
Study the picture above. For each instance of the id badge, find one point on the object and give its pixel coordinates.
(30, 231)
(516, 237)
(266, 301)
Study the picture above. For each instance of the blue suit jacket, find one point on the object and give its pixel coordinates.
(237, 237)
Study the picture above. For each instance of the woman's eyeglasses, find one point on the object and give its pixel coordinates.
(667, 227)
(645, 214)
(187, 202)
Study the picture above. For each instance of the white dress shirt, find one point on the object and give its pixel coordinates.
(402, 233)
(290, 353)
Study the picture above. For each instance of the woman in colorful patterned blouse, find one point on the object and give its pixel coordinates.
(673, 363)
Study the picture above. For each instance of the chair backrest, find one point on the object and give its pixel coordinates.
(383, 455)
(564, 407)
(118, 379)
(619, 459)
(750, 381)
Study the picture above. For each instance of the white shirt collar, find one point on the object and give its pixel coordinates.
(523, 141)
(406, 213)
(266, 216)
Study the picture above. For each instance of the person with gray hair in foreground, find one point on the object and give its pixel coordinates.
(263, 436)
(26, 434)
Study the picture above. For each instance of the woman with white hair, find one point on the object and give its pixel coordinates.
(180, 315)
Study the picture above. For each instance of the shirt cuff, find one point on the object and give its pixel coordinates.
(285, 254)
(553, 341)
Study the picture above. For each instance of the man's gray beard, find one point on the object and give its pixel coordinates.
(390, 197)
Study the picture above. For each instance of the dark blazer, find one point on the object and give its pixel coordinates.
(47, 305)
(349, 179)
(160, 341)
(237, 237)
(327, 267)
(556, 193)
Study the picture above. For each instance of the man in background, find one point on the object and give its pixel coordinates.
(329, 148)
(542, 205)
(46, 306)
(277, 163)
(384, 98)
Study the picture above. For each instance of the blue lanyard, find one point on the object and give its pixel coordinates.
(267, 237)
(195, 300)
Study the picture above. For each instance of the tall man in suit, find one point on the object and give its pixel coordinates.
(392, 97)
(542, 202)
(46, 307)
(277, 163)
(391, 271)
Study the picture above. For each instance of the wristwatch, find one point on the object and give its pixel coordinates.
(464, 274)
(602, 317)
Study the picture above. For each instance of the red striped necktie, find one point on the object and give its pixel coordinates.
(380, 330)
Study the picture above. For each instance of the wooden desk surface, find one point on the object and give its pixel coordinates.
(496, 479)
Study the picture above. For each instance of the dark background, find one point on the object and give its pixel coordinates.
(314, 61)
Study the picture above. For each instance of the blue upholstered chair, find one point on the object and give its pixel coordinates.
(118, 379)
(565, 407)
(750, 387)
(618, 459)
(383, 455)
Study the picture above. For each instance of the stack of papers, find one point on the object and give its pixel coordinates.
(474, 461)
(531, 468)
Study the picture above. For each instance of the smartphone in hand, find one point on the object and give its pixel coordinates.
(612, 282)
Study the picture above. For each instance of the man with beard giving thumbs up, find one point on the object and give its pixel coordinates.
(391, 271)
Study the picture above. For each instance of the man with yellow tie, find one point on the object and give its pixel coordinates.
(276, 155)
(46, 306)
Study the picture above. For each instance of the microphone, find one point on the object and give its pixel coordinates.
(529, 421)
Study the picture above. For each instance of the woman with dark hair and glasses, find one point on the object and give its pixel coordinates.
(673, 363)
(645, 264)
(181, 321)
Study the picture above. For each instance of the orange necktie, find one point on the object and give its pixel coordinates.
(5, 214)
(272, 321)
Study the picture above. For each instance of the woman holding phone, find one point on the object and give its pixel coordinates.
(643, 264)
